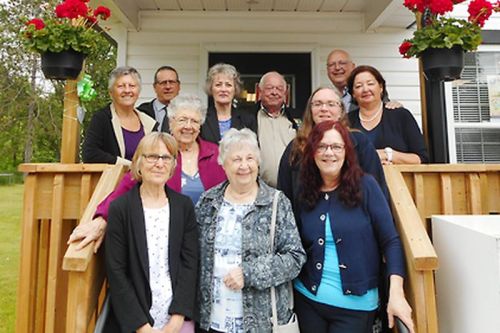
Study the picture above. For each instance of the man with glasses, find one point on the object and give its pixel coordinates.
(275, 124)
(339, 66)
(166, 86)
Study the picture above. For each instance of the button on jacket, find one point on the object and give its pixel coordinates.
(362, 235)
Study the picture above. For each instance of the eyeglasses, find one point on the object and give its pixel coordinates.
(341, 63)
(165, 83)
(154, 158)
(328, 105)
(183, 121)
(335, 147)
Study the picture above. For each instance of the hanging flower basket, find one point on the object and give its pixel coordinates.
(62, 65)
(443, 64)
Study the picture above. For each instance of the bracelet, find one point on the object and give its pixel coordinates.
(388, 153)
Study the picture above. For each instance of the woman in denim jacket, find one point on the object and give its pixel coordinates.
(237, 267)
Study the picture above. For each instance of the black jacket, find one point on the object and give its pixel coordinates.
(127, 263)
(239, 119)
(398, 130)
(102, 142)
(147, 108)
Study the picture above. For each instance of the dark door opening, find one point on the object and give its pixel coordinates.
(295, 67)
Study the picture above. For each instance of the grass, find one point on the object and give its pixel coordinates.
(11, 197)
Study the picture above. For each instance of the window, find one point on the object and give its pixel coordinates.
(474, 135)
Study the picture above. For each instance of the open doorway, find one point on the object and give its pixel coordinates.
(295, 67)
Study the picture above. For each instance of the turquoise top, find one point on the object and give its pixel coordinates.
(330, 288)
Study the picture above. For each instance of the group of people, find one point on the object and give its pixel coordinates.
(188, 230)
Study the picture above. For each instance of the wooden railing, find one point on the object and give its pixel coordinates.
(56, 198)
(59, 294)
(417, 193)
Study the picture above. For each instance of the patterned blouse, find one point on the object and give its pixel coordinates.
(227, 304)
(157, 230)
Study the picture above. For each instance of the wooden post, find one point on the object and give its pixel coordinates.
(71, 127)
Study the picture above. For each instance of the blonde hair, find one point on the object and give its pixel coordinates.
(225, 69)
(150, 141)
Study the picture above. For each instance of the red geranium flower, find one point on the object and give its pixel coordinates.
(416, 5)
(103, 12)
(440, 6)
(38, 23)
(480, 11)
(404, 47)
(72, 9)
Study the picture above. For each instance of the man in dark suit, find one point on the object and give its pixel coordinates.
(166, 85)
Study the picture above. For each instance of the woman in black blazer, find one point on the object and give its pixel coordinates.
(223, 84)
(151, 247)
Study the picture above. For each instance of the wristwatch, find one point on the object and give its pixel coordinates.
(388, 153)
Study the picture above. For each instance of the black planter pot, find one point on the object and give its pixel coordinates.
(62, 65)
(443, 64)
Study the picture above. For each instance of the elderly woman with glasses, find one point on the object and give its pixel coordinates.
(223, 83)
(346, 226)
(151, 250)
(115, 131)
(196, 170)
(238, 267)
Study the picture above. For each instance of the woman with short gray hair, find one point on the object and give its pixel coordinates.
(238, 264)
(115, 131)
(223, 83)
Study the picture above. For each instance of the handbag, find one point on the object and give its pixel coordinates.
(293, 324)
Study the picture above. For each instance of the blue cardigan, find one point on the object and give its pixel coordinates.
(362, 235)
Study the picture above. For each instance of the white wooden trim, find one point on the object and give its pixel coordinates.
(450, 124)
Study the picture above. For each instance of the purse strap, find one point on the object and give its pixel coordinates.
(273, 289)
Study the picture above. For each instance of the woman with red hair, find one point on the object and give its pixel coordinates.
(346, 228)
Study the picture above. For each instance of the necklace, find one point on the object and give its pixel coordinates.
(367, 120)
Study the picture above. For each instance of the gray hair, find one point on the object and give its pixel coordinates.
(189, 102)
(268, 74)
(234, 137)
(225, 69)
(121, 71)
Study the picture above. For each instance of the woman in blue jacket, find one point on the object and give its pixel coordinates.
(346, 227)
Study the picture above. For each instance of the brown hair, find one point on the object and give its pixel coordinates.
(373, 71)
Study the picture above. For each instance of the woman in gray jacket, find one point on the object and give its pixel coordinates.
(237, 267)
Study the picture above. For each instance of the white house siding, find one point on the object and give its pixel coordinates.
(183, 40)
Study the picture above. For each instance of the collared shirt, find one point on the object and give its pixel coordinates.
(160, 112)
(346, 99)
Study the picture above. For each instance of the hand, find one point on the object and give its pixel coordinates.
(88, 232)
(393, 105)
(234, 279)
(146, 328)
(174, 325)
(397, 305)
